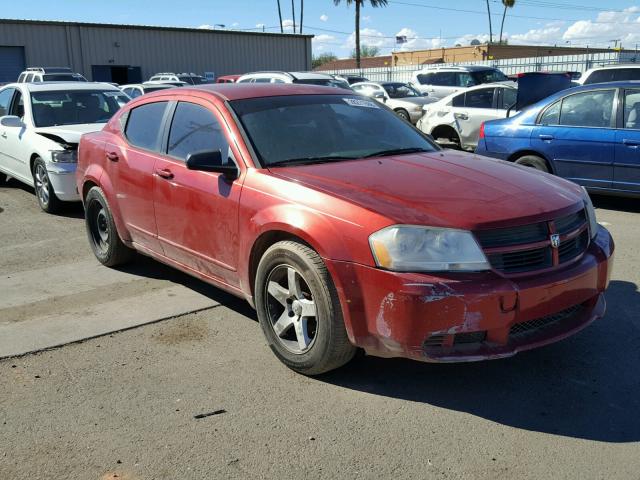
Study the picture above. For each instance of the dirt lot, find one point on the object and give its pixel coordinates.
(124, 405)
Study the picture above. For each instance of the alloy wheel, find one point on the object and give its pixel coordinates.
(42, 184)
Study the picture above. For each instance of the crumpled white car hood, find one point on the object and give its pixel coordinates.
(70, 133)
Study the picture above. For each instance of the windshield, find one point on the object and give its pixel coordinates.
(488, 76)
(305, 129)
(61, 77)
(400, 90)
(75, 107)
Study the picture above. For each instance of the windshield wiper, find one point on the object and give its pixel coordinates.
(310, 160)
(396, 151)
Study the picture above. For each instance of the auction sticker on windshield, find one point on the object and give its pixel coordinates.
(356, 102)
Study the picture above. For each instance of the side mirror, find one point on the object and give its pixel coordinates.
(11, 121)
(378, 95)
(425, 94)
(211, 161)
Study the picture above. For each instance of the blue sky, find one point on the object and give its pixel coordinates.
(426, 23)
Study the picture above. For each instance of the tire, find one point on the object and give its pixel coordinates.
(533, 161)
(101, 230)
(403, 114)
(290, 279)
(3, 178)
(44, 191)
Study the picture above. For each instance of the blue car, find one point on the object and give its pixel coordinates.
(589, 134)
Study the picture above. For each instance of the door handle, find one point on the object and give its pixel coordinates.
(545, 137)
(461, 116)
(165, 173)
(113, 156)
(4, 135)
(631, 143)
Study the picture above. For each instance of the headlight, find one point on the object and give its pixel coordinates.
(64, 156)
(591, 214)
(406, 248)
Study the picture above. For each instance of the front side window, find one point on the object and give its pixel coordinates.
(29, 78)
(482, 98)
(22, 77)
(314, 128)
(509, 97)
(143, 125)
(488, 76)
(400, 90)
(69, 107)
(588, 109)
(5, 100)
(632, 109)
(195, 129)
(464, 79)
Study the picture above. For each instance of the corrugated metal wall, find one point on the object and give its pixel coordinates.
(80, 46)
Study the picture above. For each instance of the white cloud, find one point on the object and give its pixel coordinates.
(324, 17)
(547, 35)
(235, 24)
(416, 43)
(369, 37)
(366, 18)
(260, 25)
(206, 27)
(466, 40)
(624, 26)
(323, 43)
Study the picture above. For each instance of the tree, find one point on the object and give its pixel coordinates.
(280, 17)
(322, 59)
(366, 51)
(293, 14)
(507, 4)
(359, 4)
(490, 26)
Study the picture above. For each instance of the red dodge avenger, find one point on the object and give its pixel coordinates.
(343, 225)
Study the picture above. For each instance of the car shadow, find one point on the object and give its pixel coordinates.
(609, 202)
(585, 387)
(68, 209)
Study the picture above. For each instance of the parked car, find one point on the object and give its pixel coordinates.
(403, 99)
(343, 225)
(610, 73)
(456, 119)
(40, 127)
(355, 79)
(443, 81)
(178, 78)
(228, 78)
(134, 90)
(306, 78)
(50, 74)
(589, 135)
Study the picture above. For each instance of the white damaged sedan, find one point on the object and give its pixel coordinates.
(40, 128)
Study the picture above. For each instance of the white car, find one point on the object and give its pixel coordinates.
(610, 73)
(134, 90)
(40, 127)
(49, 74)
(456, 119)
(403, 99)
(440, 82)
(307, 78)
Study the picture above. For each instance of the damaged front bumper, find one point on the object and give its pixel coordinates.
(475, 316)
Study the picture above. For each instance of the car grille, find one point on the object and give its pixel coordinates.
(524, 329)
(528, 248)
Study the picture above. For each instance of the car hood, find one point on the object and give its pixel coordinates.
(446, 189)
(69, 134)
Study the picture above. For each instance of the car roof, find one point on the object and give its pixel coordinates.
(615, 66)
(619, 84)
(294, 75)
(57, 86)
(463, 68)
(242, 91)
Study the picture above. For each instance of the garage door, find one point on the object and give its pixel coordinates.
(11, 63)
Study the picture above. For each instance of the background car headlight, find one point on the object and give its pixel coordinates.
(591, 214)
(406, 248)
(64, 156)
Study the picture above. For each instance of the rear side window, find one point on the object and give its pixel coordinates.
(632, 109)
(195, 129)
(21, 77)
(425, 78)
(600, 76)
(588, 109)
(445, 79)
(509, 97)
(482, 98)
(143, 125)
(624, 74)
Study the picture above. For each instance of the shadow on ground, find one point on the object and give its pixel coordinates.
(623, 204)
(585, 387)
(68, 209)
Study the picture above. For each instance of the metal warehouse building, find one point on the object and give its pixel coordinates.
(130, 54)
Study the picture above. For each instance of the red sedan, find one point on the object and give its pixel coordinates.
(343, 225)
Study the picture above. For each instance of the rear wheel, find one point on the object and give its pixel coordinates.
(533, 161)
(101, 230)
(299, 310)
(402, 113)
(44, 190)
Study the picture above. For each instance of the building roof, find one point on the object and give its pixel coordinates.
(350, 63)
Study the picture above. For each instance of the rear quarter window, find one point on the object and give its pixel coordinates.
(143, 125)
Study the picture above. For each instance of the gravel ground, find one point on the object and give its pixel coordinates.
(124, 405)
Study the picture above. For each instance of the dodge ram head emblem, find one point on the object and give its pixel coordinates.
(555, 240)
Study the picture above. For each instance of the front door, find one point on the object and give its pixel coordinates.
(131, 166)
(479, 106)
(577, 134)
(197, 212)
(626, 170)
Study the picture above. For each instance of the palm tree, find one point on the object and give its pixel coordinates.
(507, 4)
(280, 17)
(359, 4)
(490, 27)
(293, 14)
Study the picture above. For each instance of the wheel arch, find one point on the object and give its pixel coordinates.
(523, 153)
(444, 128)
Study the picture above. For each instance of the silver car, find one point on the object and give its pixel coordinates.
(406, 101)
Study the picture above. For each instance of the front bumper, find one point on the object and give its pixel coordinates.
(63, 180)
(475, 316)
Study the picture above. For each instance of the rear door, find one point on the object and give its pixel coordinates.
(443, 84)
(577, 134)
(626, 170)
(480, 105)
(197, 212)
(131, 165)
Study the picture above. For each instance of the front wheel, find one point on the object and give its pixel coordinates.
(403, 114)
(299, 310)
(44, 190)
